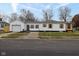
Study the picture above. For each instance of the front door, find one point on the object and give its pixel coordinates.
(69, 27)
(27, 27)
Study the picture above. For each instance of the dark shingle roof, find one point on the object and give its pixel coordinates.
(52, 21)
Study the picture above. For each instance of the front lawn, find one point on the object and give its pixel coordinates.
(15, 35)
(1, 32)
(59, 35)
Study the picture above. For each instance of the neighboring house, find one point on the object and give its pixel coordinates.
(6, 24)
(1, 24)
(18, 26)
(6, 27)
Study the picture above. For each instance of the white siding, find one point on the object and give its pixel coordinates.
(17, 23)
(55, 27)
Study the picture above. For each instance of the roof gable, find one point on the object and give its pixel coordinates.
(18, 21)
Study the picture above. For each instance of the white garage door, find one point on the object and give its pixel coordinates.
(16, 28)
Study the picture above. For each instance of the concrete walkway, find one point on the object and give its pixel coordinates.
(31, 35)
(6, 34)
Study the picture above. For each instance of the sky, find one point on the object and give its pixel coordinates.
(36, 8)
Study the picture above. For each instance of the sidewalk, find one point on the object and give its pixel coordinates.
(31, 35)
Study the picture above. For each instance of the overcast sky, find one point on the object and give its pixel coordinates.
(36, 8)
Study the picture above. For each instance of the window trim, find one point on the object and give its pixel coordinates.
(61, 25)
(36, 26)
(31, 26)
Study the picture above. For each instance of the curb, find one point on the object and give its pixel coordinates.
(36, 39)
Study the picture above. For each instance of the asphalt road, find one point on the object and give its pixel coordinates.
(29, 47)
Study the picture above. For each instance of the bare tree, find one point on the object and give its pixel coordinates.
(47, 14)
(6, 19)
(64, 13)
(14, 16)
(27, 15)
(23, 12)
(30, 16)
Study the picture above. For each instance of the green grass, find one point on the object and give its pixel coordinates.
(15, 35)
(59, 35)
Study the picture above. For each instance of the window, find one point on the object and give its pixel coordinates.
(50, 25)
(37, 26)
(32, 26)
(61, 25)
(44, 25)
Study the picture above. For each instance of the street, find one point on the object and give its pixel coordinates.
(38, 47)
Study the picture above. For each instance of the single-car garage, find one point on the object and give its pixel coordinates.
(17, 26)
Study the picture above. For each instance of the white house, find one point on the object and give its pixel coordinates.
(18, 26)
(43, 26)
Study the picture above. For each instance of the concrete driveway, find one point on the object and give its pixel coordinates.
(39, 47)
(31, 35)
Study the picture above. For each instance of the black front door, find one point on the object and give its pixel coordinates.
(27, 27)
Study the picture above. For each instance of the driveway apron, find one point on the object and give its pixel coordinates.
(31, 35)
